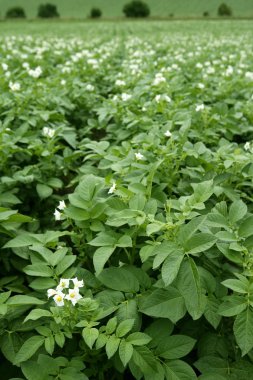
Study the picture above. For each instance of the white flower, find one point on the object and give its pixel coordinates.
(48, 132)
(14, 86)
(249, 75)
(63, 82)
(158, 98)
(63, 284)
(112, 188)
(158, 79)
(73, 295)
(59, 299)
(57, 214)
(125, 97)
(201, 86)
(77, 283)
(25, 65)
(120, 82)
(199, 107)
(62, 205)
(167, 133)
(139, 156)
(229, 71)
(247, 145)
(90, 87)
(35, 73)
(5, 66)
(51, 292)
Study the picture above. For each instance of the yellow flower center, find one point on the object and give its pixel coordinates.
(59, 298)
(72, 295)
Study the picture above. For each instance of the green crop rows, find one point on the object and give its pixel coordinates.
(126, 214)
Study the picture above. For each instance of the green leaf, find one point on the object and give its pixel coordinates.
(233, 305)
(24, 300)
(171, 266)
(199, 243)
(188, 230)
(145, 360)
(125, 352)
(162, 251)
(119, 279)
(246, 227)
(89, 187)
(124, 327)
(103, 239)
(124, 241)
(111, 325)
(76, 213)
(4, 296)
(49, 344)
(90, 335)
(237, 286)
(138, 339)
(112, 345)
(40, 270)
(64, 264)
(237, 211)
(44, 191)
(202, 191)
(179, 370)
(37, 314)
(29, 348)
(243, 330)
(34, 371)
(175, 346)
(163, 303)
(214, 365)
(43, 283)
(100, 257)
(10, 344)
(211, 311)
(216, 220)
(189, 285)
(23, 240)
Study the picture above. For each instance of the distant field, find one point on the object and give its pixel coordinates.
(113, 8)
(139, 28)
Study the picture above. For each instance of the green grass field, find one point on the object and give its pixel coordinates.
(113, 8)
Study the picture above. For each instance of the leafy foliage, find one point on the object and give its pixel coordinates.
(95, 13)
(47, 11)
(126, 171)
(224, 10)
(15, 12)
(136, 8)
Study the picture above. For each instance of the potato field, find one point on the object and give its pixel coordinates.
(126, 201)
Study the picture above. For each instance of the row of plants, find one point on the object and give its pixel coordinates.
(126, 207)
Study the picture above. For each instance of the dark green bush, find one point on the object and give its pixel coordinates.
(224, 10)
(206, 14)
(136, 9)
(15, 12)
(95, 13)
(47, 11)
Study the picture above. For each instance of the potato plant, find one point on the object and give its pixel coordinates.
(126, 214)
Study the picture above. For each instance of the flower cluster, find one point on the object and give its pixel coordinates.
(248, 147)
(57, 214)
(64, 292)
